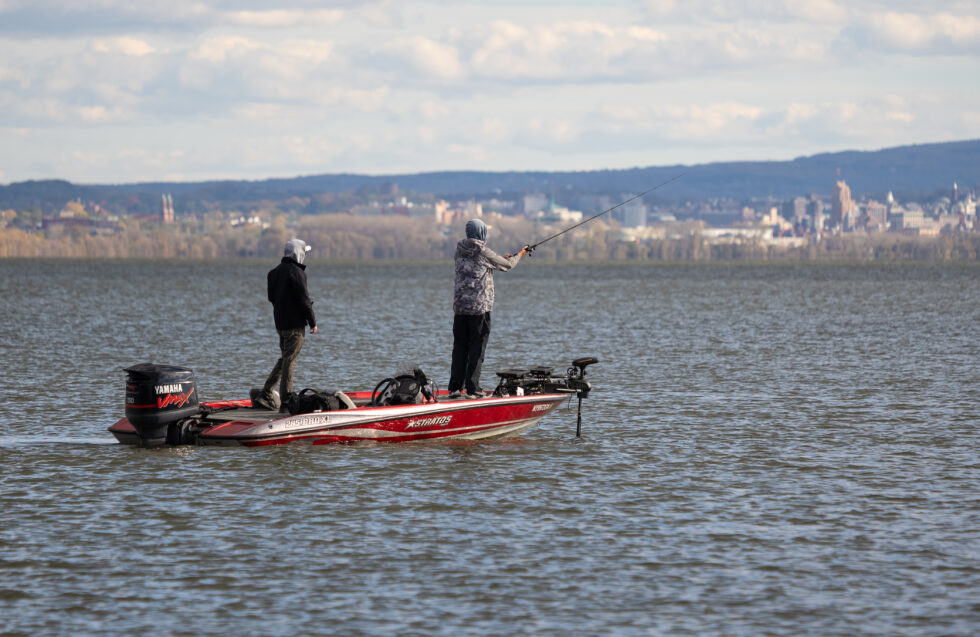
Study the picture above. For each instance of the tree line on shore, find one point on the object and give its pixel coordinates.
(347, 237)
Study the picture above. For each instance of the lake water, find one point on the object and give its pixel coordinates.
(768, 450)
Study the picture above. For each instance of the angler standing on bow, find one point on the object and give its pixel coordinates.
(472, 302)
(292, 310)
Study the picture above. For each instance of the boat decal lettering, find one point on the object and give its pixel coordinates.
(303, 421)
(169, 389)
(437, 421)
(543, 407)
(174, 400)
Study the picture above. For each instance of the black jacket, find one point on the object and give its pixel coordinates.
(293, 308)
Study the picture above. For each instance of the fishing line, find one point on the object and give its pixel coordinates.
(531, 248)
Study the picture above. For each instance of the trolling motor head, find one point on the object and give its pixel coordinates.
(580, 364)
(576, 376)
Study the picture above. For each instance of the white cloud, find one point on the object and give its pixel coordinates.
(428, 57)
(280, 18)
(428, 135)
(309, 51)
(15, 76)
(94, 113)
(593, 52)
(740, 123)
(432, 110)
(878, 117)
(816, 10)
(35, 111)
(797, 112)
(221, 48)
(466, 153)
(247, 70)
(125, 45)
(708, 121)
(908, 32)
(565, 51)
(743, 10)
(554, 130)
(496, 130)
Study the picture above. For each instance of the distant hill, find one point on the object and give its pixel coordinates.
(905, 170)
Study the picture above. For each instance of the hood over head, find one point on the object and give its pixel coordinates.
(296, 249)
(476, 229)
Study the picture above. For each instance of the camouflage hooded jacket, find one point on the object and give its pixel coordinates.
(475, 262)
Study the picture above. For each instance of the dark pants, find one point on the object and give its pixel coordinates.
(470, 335)
(290, 343)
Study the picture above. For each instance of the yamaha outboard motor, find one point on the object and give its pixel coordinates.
(158, 396)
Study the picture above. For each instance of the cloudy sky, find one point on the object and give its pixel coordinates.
(115, 91)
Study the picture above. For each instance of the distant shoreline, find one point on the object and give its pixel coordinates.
(396, 238)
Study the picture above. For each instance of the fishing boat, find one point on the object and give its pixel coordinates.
(162, 408)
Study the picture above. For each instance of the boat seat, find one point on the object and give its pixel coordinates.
(345, 400)
(512, 374)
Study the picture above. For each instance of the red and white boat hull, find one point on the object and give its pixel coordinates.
(162, 408)
(475, 419)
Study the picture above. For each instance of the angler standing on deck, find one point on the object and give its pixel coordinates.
(472, 302)
(293, 310)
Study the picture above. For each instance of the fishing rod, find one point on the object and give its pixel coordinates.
(531, 248)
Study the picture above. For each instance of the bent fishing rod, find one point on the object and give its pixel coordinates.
(531, 248)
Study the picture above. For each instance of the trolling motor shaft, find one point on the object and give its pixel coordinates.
(584, 386)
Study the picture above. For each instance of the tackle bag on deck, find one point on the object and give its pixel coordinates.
(409, 386)
(311, 400)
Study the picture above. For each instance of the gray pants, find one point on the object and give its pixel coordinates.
(290, 343)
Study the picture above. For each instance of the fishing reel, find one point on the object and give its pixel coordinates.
(528, 250)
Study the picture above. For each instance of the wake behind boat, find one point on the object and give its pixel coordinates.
(162, 408)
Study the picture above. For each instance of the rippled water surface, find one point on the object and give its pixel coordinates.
(769, 450)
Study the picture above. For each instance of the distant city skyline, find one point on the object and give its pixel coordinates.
(110, 91)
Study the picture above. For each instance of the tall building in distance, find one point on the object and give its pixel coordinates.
(814, 210)
(167, 209)
(794, 210)
(534, 202)
(634, 213)
(875, 215)
(841, 206)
